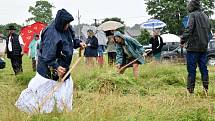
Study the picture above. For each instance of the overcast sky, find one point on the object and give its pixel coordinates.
(131, 11)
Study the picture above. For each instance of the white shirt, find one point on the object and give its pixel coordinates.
(10, 43)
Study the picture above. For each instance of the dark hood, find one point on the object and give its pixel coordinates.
(194, 5)
(62, 18)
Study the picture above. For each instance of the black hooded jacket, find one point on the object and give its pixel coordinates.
(56, 47)
(197, 34)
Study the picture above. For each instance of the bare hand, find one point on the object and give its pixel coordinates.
(83, 45)
(22, 53)
(118, 66)
(61, 71)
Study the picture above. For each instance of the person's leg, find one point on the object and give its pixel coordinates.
(91, 61)
(16, 62)
(109, 58)
(19, 63)
(135, 70)
(191, 68)
(203, 69)
(34, 64)
(87, 60)
(157, 57)
(100, 60)
(12, 59)
(114, 57)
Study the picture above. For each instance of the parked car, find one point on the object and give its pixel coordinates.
(177, 53)
(147, 48)
(181, 53)
(211, 52)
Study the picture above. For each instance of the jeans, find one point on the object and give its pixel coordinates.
(194, 58)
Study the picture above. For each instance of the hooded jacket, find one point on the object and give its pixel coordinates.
(56, 47)
(134, 47)
(197, 34)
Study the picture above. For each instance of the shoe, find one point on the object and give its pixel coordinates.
(190, 90)
(205, 91)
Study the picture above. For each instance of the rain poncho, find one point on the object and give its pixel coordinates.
(56, 49)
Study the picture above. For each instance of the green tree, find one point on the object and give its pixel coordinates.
(213, 25)
(172, 12)
(42, 11)
(144, 37)
(115, 19)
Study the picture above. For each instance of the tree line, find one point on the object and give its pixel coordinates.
(171, 12)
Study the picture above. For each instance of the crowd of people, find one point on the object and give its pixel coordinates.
(52, 52)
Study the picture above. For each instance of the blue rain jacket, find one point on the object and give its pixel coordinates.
(56, 46)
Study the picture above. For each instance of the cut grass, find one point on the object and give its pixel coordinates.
(102, 95)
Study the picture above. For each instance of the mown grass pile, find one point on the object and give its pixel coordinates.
(100, 94)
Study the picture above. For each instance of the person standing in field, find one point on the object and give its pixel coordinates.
(33, 51)
(111, 50)
(196, 39)
(14, 49)
(157, 43)
(91, 51)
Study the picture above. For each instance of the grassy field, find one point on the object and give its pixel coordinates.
(102, 95)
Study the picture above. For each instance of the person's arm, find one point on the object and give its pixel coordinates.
(160, 41)
(119, 54)
(21, 44)
(49, 50)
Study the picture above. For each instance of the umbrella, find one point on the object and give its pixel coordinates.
(153, 24)
(28, 32)
(102, 39)
(110, 25)
(170, 38)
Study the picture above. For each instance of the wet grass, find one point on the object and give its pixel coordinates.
(102, 95)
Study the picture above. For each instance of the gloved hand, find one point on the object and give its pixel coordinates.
(144, 54)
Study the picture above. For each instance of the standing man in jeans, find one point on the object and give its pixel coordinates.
(196, 38)
(14, 49)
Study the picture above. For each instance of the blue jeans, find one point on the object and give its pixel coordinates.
(101, 50)
(194, 58)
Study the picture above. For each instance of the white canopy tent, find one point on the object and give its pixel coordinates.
(2, 45)
(170, 38)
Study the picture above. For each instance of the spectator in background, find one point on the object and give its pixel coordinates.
(157, 44)
(111, 50)
(14, 49)
(91, 51)
(33, 51)
(127, 50)
(102, 41)
(196, 38)
(100, 58)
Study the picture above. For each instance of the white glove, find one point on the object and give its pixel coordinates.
(144, 54)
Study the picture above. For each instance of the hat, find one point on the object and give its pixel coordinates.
(119, 34)
(11, 27)
(194, 5)
(36, 35)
